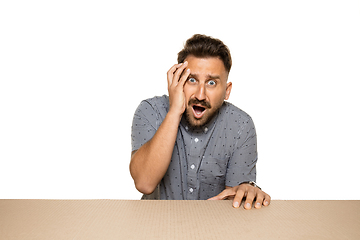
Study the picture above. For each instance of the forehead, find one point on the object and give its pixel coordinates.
(206, 66)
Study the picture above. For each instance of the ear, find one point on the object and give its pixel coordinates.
(228, 90)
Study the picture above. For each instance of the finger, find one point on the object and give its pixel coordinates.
(267, 200)
(224, 194)
(249, 198)
(173, 69)
(184, 77)
(240, 194)
(177, 74)
(170, 73)
(259, 199)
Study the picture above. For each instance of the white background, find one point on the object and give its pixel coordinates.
(73, 72)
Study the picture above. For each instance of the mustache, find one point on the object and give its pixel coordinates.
(199, 102)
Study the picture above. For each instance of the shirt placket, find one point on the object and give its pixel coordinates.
(196, 150)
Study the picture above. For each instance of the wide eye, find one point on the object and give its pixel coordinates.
(192, 80)
(212, 83)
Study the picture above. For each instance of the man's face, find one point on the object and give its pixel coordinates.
(205, 89)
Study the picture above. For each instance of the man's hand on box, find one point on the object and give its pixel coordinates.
(248, 192)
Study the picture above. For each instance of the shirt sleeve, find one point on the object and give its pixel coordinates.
(143, 125)
(242, 164)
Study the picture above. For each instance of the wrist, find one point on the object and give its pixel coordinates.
(252, 183)
(175, 113)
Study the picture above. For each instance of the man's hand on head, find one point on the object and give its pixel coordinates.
(176, 77)
(244, 191)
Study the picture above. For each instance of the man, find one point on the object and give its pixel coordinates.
(192, 144)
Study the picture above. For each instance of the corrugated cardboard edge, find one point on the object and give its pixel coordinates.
(156, 219)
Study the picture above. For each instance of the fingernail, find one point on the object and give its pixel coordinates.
(236, 204)
(258, 205)
(248, 206)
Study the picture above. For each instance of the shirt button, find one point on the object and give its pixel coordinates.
(192, 166)
(206, 129)
(196, 139)
(191, 190)
(187, 128)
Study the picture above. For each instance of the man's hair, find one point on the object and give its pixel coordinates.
(202, 46)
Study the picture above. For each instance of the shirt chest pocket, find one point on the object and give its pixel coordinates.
(213, 171)
(212, 177)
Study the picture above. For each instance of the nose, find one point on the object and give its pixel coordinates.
(201, 92)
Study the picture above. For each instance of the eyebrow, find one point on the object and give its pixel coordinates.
(209, 76)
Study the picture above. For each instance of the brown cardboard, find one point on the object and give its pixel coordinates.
(135, 219)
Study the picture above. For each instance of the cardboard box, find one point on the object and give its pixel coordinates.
(128, 219)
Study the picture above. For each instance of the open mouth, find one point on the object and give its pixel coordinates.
(198, 111)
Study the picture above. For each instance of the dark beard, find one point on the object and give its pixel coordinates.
(198, 122)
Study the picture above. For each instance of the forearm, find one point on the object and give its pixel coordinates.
(150, 162)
